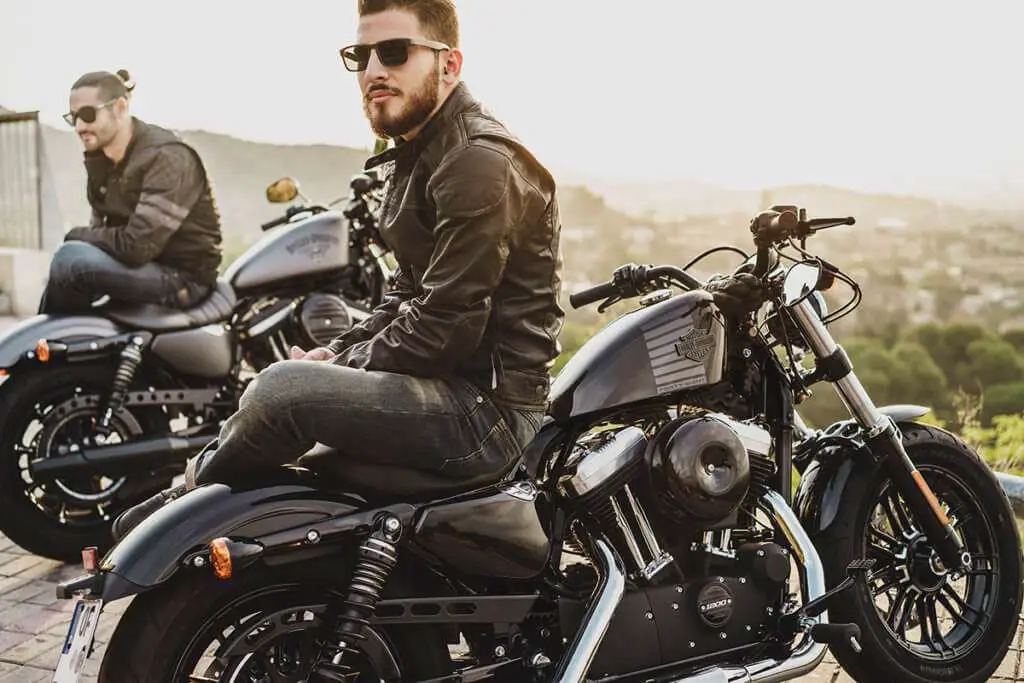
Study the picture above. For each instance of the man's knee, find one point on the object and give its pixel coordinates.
(276, 387)
(72, 260)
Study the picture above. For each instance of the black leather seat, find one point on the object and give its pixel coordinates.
(382, 484)
(216, 307)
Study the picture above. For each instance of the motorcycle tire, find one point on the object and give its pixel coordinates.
(916, 590)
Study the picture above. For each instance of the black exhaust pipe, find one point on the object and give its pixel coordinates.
(121, 459)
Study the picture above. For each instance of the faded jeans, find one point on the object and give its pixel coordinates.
(81, 273)
(445, 426)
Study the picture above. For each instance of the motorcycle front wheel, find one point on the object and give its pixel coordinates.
(920, 622)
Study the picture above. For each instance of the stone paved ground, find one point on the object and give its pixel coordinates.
(33, 623)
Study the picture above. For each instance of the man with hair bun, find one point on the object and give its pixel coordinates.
(155, 234)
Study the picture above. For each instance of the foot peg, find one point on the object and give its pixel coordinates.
(837, 635)
(817, 606)
(791, 622)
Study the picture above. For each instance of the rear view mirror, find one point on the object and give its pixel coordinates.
(282, 190)
(801, 281)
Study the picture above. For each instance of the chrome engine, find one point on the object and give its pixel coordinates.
(694, 471)
(677, 506)
(271, 326)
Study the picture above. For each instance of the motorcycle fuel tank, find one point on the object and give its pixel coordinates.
(675, 345)
(314, 245)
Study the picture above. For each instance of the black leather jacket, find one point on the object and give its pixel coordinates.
(472, 219)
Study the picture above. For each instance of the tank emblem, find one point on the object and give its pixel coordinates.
(314, 246)
(698, 342)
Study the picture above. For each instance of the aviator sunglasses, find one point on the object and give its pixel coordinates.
(87, 113)
(392, 53)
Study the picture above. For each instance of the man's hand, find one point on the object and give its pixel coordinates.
(319, 353)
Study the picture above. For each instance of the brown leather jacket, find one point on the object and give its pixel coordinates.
(472, 219)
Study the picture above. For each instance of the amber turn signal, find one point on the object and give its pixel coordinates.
(42, 351)
(227, 555)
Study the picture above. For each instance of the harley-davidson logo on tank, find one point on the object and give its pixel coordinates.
(681, 349)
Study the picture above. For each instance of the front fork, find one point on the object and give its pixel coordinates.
(883, 437)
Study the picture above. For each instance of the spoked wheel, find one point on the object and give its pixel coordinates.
(920, 620)
(276, 636)
(934, 613)
(46, 415)
(268, 625)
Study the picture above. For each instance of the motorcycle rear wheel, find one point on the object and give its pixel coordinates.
(40, 414)
(920, 623)
(269, 620)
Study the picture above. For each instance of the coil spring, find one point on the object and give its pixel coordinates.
(131, 358)
(375, 559)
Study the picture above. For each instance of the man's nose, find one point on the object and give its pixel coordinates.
(375, 71)
(81, 126)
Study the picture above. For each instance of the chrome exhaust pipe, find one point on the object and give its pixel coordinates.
(808, 654)
(607, 596)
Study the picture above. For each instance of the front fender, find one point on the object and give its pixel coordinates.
(152, 552)
(829, 465)
(23, 336)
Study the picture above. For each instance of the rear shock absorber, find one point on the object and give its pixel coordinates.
(375, 559)
(131, 358)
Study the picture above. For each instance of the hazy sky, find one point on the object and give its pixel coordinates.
(868, 94)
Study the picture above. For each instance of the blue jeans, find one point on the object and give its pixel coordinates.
(81, 273)
(445, 426)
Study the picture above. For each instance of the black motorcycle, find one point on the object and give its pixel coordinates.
(647, 534)
(100, 411)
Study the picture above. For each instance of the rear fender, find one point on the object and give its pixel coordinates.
(15, 342)
(277, 516)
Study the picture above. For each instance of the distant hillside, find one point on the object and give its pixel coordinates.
(241, 169)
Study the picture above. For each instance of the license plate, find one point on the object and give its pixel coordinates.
(78, 643)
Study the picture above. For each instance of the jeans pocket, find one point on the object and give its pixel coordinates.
(487, 444)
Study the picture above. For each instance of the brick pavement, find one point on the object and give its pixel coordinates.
(33, 623)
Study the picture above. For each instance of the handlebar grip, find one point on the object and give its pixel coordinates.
(274, 223)
(783, 224)
(589, 296)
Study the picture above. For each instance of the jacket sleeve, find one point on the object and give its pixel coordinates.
(171, 185)
(477, 204)
(381, 316)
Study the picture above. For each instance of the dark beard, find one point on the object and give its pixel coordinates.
(416, 111)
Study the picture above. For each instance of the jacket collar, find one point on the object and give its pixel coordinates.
(97, 158)
(458, 101)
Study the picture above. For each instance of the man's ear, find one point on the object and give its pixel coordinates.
(452, 66)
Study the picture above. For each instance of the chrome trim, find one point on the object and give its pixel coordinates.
(853, 394)
(627, 534)
(659, 558)
(603, 461)
(606, 598)
(264, 325)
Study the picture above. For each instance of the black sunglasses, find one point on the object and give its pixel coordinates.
(87, 113)
(392, 53)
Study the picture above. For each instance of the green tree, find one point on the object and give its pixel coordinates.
(1002, 399)
(990, 361)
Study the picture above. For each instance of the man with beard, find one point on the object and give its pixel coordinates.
(155, 231)
(449, 377)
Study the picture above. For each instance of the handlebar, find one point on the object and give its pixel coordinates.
(281, 220)
(290, 212)
(631, 280)
(596, 293)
